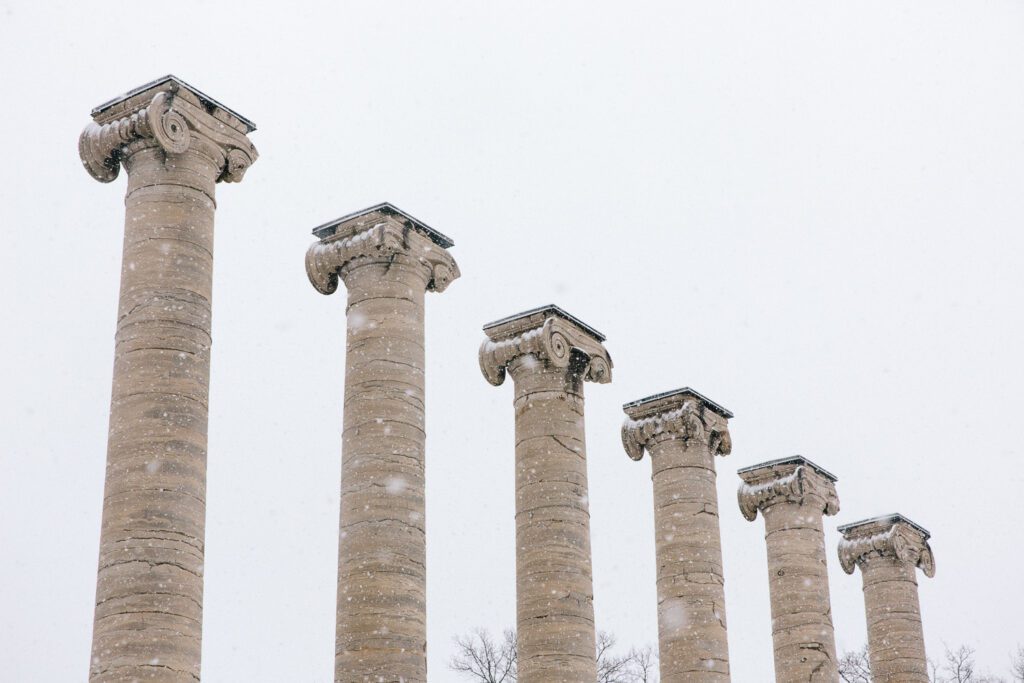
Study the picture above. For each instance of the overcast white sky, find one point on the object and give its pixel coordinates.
(809, 211)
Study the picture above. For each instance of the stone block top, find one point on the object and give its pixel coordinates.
(878, 525)
(513, 325)
(670, 400)
(139, 98)
(367, 218)
(781, 467)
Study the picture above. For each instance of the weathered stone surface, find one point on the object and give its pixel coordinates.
(888, 550)
(683, 432)
(387, 260)
(550, 354)
(175, 144)
(793, 494)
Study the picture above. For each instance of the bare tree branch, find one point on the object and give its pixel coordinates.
(959, 665)
(1017, 664)
(482, 660)
(855, 667)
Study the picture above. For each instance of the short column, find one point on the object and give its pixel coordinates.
(550, 354)
(387, 260)
(888, 551)
(683, 432)
(793, 494)
(176, 144)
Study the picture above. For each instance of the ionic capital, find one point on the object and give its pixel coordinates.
(789, 480)
(551, 336)
(382, 234)
(172, 115)
(892, 536)
(682, 414)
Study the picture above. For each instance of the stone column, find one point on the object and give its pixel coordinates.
(888, 550)
(550, 354)
(176, 144)
(793, 494)
(387, 260)
(684, 431)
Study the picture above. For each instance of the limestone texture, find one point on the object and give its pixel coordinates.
(889, 550)
(550, 355)
(175, 144)
(388, 261)
(792, 495)
(683, 432)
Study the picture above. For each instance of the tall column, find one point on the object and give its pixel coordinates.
(888, 550)
(793, 494)
(550, 354)
(684, 431)
(387, 260)
(176, 144)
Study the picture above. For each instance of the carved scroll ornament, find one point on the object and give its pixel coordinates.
(897, 542)
(687, 422)
(174, 124)
(802, 486)
(327, 260)
(555, 342)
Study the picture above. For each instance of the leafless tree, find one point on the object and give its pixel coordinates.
(1017, 664)
(481, 659)
(855, 667)
(645, 665)
(611, 668)
(959, 666)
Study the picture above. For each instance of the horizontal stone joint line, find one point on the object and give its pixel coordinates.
(359, 363)
(153, 564)
(131, 667)
(547, 655)
(169, 183)
(414, 302)
(143, 240)
(363, 522)
(670, 468)
(550, 506)
(157, 489)
(170, 322)
(175, 595)
(189, 298)
(163, 613)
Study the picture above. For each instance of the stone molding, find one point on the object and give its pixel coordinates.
(175, 120)
(690, 421)
(556, 342)
(802, 485)
(894, 539)
(383, 242)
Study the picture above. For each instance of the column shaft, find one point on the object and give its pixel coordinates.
(388, 260)
(692, 638)
(802, 631)
(793, 494)
(381, 615)
(895, 635)
(550, 354)
(176, 144)
(148, 617)
(554, 585)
